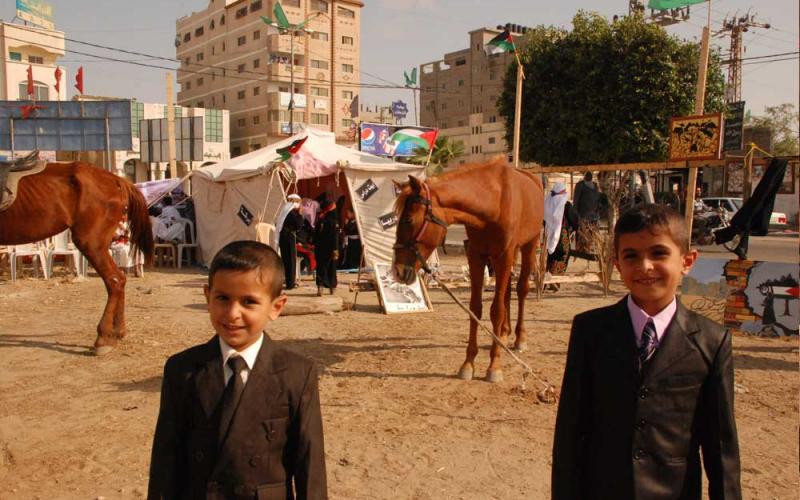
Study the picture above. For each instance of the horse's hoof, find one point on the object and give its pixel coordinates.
(465, 373)
(494, 376)
(102, 350)
(521, 346)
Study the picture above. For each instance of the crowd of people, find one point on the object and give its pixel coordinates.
(323, 233)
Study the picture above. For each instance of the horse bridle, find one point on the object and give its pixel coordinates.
(429, 217)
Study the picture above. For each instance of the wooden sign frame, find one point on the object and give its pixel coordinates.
(681, 143)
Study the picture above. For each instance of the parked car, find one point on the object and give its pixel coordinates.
(732, 205)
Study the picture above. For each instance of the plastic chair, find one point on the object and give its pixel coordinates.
(34, 250)
(61, 244)
(190, 245)
(164, 254)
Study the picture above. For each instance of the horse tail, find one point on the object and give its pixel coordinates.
(139, 219)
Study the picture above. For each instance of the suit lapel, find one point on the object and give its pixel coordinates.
(210, 382)
(676, 344)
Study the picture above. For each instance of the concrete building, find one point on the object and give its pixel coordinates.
(376, 114)
(215, 144)
(228, 60)
(459, 95)
(38, 48)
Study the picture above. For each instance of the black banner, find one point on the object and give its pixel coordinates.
(734, 127)
(245, 215)
(366, 190)
(388, 220)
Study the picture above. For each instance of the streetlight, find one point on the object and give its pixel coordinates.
(283, 26)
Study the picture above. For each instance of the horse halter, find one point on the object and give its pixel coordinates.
(429, 217)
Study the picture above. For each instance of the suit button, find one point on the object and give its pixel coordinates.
(641, 424)
(255, 461)
(643, 393)
(198, 455)
(638, 454)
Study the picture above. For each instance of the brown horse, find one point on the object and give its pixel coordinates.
(90, 202)
(501, 208)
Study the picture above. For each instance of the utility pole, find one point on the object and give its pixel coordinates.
(735, 27)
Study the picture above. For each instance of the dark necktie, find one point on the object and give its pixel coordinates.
(648, 344)
(231, 396)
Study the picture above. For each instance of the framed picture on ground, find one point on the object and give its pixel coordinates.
(396, 297)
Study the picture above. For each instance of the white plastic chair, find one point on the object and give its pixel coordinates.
(190, 245)
(62, 245)
(34, 250)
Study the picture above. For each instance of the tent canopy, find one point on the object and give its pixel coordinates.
(232, 196)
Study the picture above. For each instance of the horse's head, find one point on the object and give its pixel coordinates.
(419, 230)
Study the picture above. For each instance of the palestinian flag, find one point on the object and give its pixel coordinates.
(419, 138)
(291, 149)
(499, 44)
(671, 4)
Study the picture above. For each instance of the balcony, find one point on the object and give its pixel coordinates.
(280, 100)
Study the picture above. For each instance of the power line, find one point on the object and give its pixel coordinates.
(771, 61)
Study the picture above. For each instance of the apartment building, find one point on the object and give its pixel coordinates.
(459, 95)
(37, 48)
(375, 113)
(230, 61)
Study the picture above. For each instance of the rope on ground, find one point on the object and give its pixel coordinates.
(548, 392)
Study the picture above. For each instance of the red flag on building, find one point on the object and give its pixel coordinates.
(58, 80)
(79, 80)
(30, 80)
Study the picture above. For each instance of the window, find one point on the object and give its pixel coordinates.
(199, 82)
(256, 91)
(319, 119)
(200, 104)
(491, 75)
(241, 41)
(492, 140)
(256, 35)
(41, 92)
(283, 88)
(137, 114)
(212, 25)
(199, 31)
(460, 103)
(461, 62)
(256, 63)
(240, 94)
(236, 151)
(460, 123)
(255, 146)
(241, 12)
(187, 86)
(320, 91)
(347, 94)
(347, 13)
(36, 59)
(224, 99)
(320, 5)
(256, 120)
(318, 35)
(347, 122)
(255, 6)
(222, 20)
(444, 125)
(347, 40)
(187, 37)
(444, 106)
(15, 56)
(292, 3)
(199, 57)
(461, 83)
(493, 119)
(315, 63)
(240, 68)
(241, 122)
(347, 68)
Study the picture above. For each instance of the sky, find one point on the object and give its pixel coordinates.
(397, 35)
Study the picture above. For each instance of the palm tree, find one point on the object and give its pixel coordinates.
(444, 150)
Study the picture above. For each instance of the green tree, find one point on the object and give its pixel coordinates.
(605, 91)
(783, 120)
(444, 150)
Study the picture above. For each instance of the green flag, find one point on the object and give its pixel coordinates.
(671, 4)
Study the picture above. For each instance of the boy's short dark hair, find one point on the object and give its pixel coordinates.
(653, 218)
(248, 256)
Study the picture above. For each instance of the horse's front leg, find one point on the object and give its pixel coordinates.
(111, 322)
(477, 266)
(502, 272)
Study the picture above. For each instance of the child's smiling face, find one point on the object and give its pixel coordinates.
(651, 264)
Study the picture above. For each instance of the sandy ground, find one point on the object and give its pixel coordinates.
(397, 422)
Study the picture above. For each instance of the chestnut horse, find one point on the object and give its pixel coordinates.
(501, 208)
(90, 202)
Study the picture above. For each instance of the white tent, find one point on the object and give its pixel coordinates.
(231, 197)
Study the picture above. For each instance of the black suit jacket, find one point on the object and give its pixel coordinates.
(274, 448)
(623, 435)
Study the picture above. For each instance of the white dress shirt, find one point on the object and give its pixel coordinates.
(250, 355)
(661, 320)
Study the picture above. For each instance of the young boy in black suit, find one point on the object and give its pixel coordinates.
(648, 383)
(240, 415)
